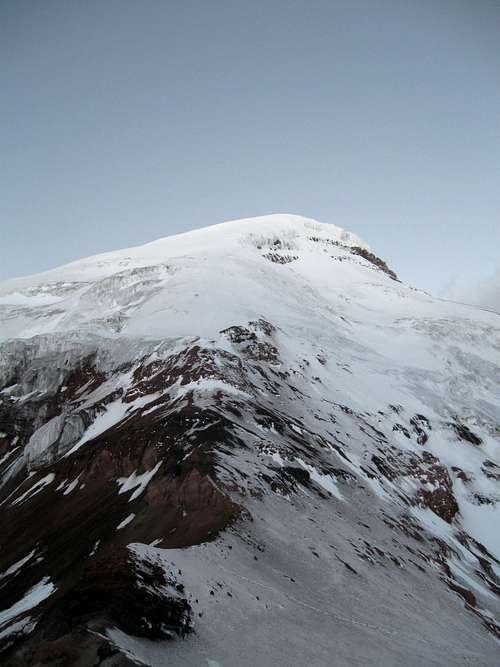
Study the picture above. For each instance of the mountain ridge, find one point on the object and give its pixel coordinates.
(261, 448)
(203, 233)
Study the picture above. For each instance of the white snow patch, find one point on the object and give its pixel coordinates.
(483, 523)
(276, 457)
(113, 414)
(36, 488)
(461, 574)
(125, 521)
(94, 550)
(71, 486)
(13, 569)
(31, 599)
(156, 542)
(327, 482)
(7, 454)
(209, 385)
(139, 481)
(24, 626)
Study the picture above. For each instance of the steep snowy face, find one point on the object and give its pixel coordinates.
(184, 285)
(252, 436)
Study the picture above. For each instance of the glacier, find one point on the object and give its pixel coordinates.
(247, 444)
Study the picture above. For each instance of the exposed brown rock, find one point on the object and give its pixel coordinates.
(376, 261)
(491, 470)
(464, 593)
(463, 432)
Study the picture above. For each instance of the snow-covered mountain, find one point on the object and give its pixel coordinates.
(250, 444)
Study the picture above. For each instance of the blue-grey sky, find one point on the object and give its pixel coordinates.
(123, 121)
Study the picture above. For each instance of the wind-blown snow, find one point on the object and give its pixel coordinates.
(32, 599)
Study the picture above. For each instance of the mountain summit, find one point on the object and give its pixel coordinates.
(249, 444)
(200, 276)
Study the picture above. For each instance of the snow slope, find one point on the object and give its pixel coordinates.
(185, 285)
(310, 445)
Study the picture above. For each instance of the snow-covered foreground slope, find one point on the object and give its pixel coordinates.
(247, 445)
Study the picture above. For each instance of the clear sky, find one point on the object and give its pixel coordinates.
(123, 121)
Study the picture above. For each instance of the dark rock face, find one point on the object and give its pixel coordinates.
(280, 259)
(133, 595)
(373, 259)
(436, 491)
(464, 593)
(421, 426)
(439, 498)
(178, 466)
(116, 590)
(72, 523)
(464, 433)
(249, 343)
(491, 470)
